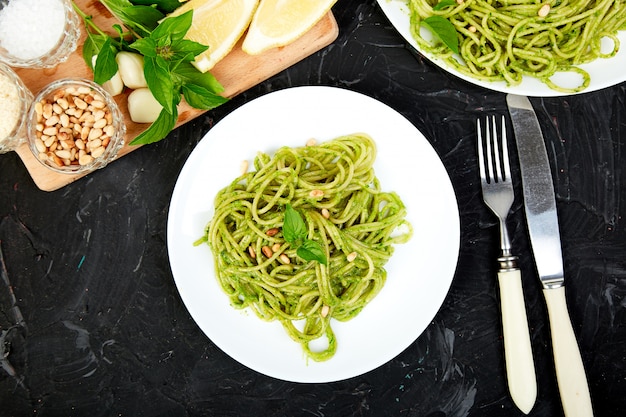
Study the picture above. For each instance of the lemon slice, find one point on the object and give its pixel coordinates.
(218, 24)
(280, 22)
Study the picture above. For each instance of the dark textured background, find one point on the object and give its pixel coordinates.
(92, 324)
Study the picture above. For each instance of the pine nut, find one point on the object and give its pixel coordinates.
(544, 10)
(63, 154)
(41, 147)
(80, 103)
(50, 131)
(325, 213)
(316, 193)
(325, 310)
(85, 159)
(351, 257)
(252, 252)
(272, 232)
(275, 247)
(284, 259)
(97, 153)
(267, 251)
(99, 124)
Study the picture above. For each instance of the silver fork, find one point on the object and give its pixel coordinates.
(497, 188)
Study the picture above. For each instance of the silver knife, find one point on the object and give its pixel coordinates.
(543, 227)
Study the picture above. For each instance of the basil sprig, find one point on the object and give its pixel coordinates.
(442, 27)
(295, 232)
(167, 58)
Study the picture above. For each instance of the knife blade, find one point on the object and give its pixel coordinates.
(543, 229)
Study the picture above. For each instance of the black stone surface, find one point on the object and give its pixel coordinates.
(91, 323)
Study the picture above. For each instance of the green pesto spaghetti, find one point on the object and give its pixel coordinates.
(504, 40)
(338, 199)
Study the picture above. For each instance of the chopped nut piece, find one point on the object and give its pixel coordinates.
(243, 167)
(544, 10)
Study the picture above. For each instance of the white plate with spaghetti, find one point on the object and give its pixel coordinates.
(603, 72)
(419, 272)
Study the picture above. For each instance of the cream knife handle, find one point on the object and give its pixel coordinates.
(570, 372)
(520, 367)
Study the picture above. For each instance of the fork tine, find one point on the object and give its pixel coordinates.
(505, 152)
(488, 139)
(496, 151)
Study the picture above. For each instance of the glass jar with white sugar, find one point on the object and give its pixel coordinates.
(37, 33)
(15, 99)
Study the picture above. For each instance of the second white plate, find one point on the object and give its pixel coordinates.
(419, 273)
(604, 72)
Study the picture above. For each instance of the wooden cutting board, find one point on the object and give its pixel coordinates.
(237, 72)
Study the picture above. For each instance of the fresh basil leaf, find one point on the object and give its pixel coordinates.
(174, 28)
(294, 228)
(165, 6)
(444, 3)
(92, 45)
(310, 250)
(145, 16)
(146, 46)
(186, 50)
(200, 98)
(444, 30)
(186, 73)
(120, 30)
(159, 82)
(106, 66)
(117, 7)
(159, 129)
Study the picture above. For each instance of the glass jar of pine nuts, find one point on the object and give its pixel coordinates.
(75, 126)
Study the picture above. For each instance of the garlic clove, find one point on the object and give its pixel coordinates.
(142, 106)
(130, 67)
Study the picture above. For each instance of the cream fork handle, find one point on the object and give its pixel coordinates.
(570, 372)
(520, 367)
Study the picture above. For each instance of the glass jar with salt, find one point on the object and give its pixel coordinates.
(15, 99)
(37, 33)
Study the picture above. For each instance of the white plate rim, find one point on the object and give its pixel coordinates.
(604, 72)
(343, 113)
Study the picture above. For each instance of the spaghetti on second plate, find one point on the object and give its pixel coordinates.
(334, 188)
(503, 40)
